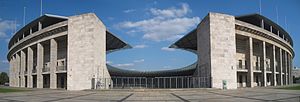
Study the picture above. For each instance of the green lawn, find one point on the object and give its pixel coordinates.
(7, 90)
(295, 87)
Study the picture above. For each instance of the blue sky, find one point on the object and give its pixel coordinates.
(149, 26)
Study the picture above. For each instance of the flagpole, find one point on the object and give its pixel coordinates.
(286, 26)
(277, 14)
(260, 7)
(41, 8)
(24, 15)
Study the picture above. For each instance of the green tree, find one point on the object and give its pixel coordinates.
(3, 78)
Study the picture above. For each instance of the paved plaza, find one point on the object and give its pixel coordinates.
(141, 95)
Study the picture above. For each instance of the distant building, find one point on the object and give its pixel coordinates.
(296, 74)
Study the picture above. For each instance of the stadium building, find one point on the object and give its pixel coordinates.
(70, 52)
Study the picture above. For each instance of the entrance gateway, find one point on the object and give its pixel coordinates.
(70, 52)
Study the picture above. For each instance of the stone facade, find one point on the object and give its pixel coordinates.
(86, 52)
(71, 54)
(216, 48)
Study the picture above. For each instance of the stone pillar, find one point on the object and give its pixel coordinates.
(280, 67)
(40, 26)
(18, 70)
(249, 57)
(291, 68)
(273, 66)
(53, 63)
(22, 69)
(262, 24)
(264, 74)
(11, 71)
(286, 67)
(40, 65)
(29, 66)
(14, 72)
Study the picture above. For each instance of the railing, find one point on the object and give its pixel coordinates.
(151, 83)
(268, 68)
(241, 67)
(257, 68)
(46, 69)
(61, 68)
(34, 70)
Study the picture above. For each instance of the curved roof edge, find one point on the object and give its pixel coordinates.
(27, 26)
(185, 71)
(286, 34)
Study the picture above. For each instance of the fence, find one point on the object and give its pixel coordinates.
(160, 82)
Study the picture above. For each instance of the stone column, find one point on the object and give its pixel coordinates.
(264, 74)
(29, 66)
(40, 26)
(53, 63)
(291, 67)
(40, 63)
(14, 72)
(249, 57)
(11, 72)
(22, 68)
(286, 67)
(280, 67)
(273, 81)
(18, 70)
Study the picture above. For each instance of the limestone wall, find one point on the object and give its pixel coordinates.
(86, 51)
(216, 47)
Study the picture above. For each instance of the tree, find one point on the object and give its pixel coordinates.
(3, 78)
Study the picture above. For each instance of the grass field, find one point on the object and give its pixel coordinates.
(294, 87)
(8, 89)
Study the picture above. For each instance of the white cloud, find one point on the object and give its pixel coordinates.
(167, 49)
(139, 61)
(124, 65)
(4, 61)
(132, 69)
(140, 46)
(129, 10)
(171, 12)
(165, 25)
(109, 62)
(166, 67)
(6, 25)
(7, 40)
(110, 18)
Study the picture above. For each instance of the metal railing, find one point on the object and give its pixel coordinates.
(61, 68)
(268, 68)
(241, 67)
(156, 82)
(257, 68)
(46, 69)
(34, 70)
